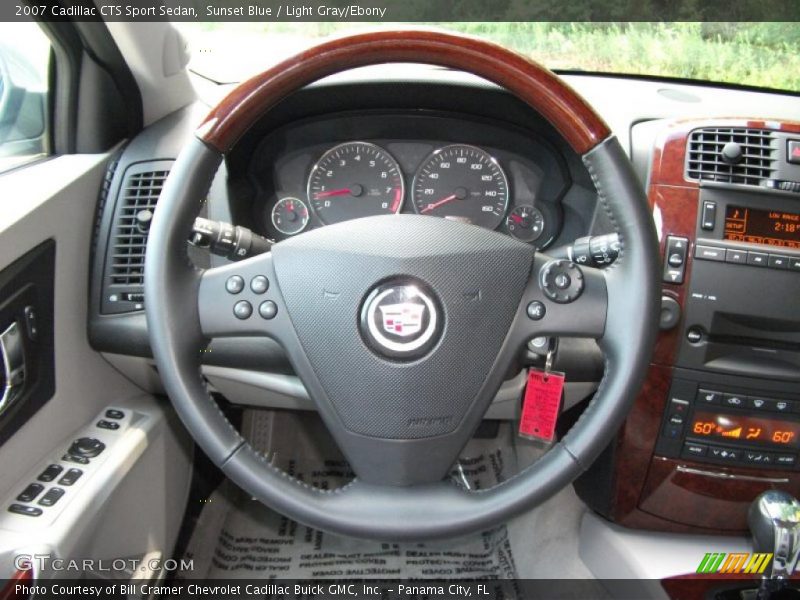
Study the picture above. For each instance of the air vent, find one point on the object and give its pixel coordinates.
(730, 155)
(138, 198)
(123, 288)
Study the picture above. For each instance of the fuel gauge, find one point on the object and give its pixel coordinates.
(290, 215)
(525, 223)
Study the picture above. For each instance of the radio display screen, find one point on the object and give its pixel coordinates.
(745, 428)
(771, 227)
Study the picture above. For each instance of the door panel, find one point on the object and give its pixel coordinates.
(47, 214)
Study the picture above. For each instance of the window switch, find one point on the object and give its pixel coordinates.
(113, 413)
(70, 477)
(103, 424)
(51, 497)
(29, 493)
(28, 511)
(50, 473)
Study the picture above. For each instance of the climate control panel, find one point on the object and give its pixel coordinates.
(717, 423)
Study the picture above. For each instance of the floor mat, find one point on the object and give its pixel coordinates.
(237, 537)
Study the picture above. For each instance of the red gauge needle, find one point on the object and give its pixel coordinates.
(340, 192)
(438, 203)
(517, 219)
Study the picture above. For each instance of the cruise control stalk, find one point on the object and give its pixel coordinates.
(229, 241)
(592, 250)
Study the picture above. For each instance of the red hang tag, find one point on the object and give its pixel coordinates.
(541, 405)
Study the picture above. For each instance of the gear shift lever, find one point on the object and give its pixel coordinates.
(774, 521)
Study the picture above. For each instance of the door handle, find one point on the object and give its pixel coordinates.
(12, 353)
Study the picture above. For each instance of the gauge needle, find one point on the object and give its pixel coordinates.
(517, 219)
(340, 192)
(438, 203)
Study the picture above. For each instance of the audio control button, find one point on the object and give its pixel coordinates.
(709, 253)
(736, 256)
(694, 334)
(776, 261)
(759, 259)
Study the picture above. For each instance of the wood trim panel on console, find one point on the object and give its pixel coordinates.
(650, 492)
(545, 92)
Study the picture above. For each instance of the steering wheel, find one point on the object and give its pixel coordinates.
(401, 403)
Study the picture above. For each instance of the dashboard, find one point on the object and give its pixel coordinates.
(441, 144)
(343, 167)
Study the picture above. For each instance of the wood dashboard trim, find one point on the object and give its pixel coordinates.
(544, 91)
(650, 492)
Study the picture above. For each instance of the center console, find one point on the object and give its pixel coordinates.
(718, 419)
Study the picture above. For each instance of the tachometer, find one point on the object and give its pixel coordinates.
(353, 180)
(464, 183)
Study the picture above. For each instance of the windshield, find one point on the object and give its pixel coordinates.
(754, 54)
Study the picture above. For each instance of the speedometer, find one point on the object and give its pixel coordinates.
(464, 183)
(353, 180)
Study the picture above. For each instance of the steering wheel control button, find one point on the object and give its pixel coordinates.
(259, 284)
(268, 310)
(242, 310)
(29, 493)
(86, 447)
(695, 334)
(50, 473)
(52, 496)
(401, 319)
(70, 477)
(234, 284)
(536, 310)
(561, 281)
(28, 511)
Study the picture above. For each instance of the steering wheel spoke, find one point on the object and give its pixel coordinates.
(563, 299)
(241, 299)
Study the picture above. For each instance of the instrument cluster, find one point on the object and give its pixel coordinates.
(303, 183)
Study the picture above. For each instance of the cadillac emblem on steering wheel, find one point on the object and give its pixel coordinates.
(401, 319)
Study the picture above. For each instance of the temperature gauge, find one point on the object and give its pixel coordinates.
(290, 215)
(525, 223)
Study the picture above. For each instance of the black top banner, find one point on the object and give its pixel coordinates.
(391, 11)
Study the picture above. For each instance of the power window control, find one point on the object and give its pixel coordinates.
(29, 493)
(103, 424)
(113, 413)
(81, 460)
(50, 473)
(70, 477)
(51, 497)
(28, 511)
